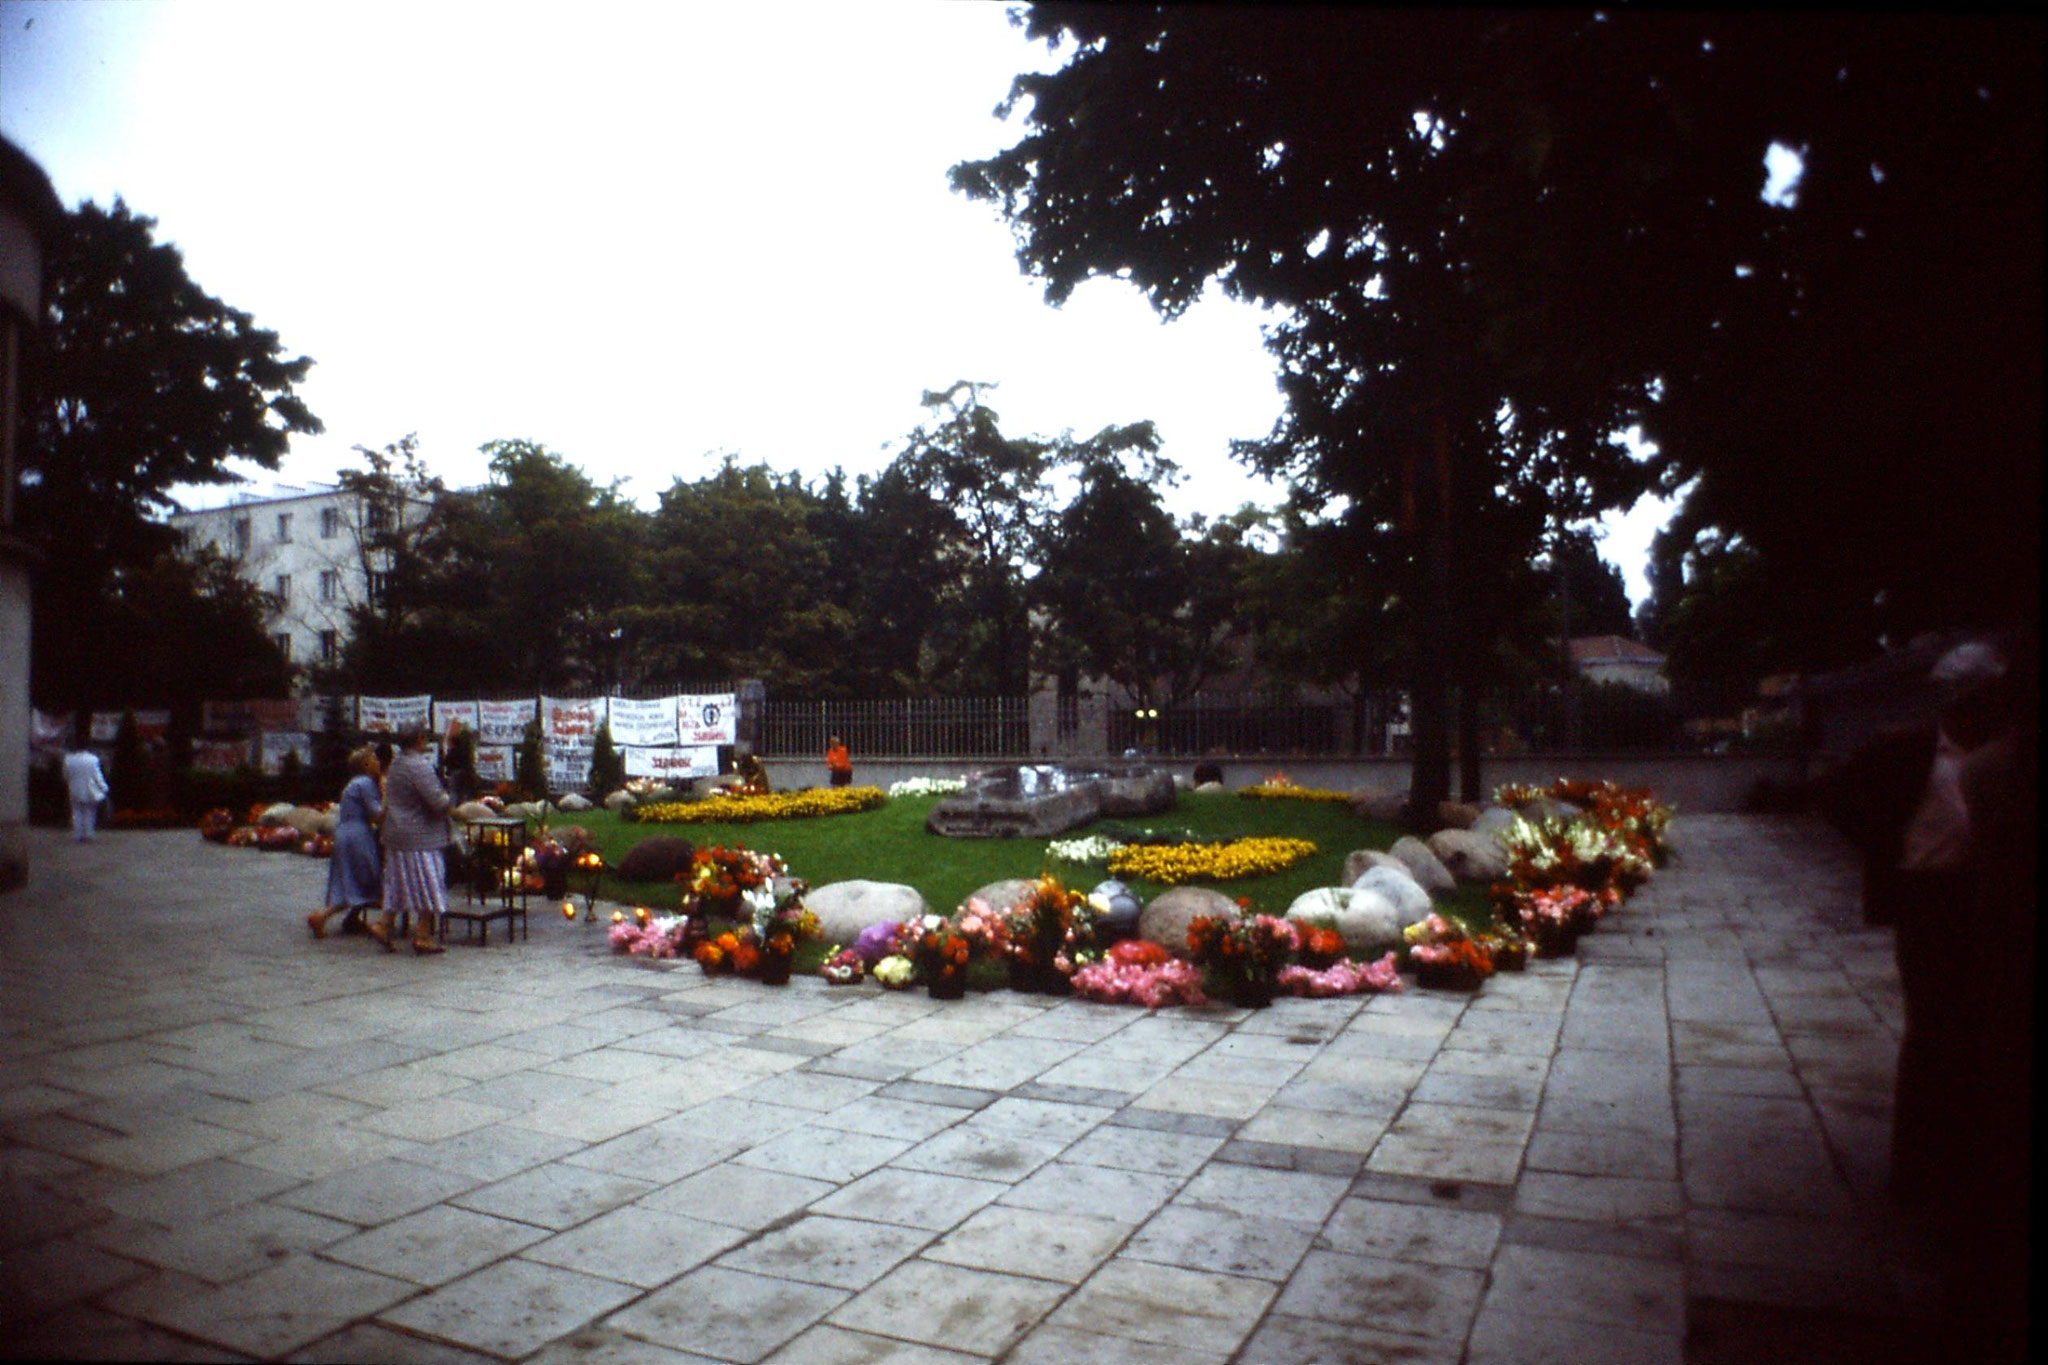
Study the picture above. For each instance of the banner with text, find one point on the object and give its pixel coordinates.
(501, 723)
(707, 719)
(450, 714)
(220, 755)
(676, 761)
(648, 722)
(390, 715)
(494, 764)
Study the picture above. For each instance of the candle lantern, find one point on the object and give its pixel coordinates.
(586, 871)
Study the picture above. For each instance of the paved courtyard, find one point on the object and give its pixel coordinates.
(221, 1140)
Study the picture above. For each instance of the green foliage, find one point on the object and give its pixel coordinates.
(607, 764)
(529, 763)
(141, 382)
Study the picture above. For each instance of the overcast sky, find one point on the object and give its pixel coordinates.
(644, 235)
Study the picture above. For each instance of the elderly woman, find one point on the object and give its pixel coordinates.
(353, 876)
(415, 837)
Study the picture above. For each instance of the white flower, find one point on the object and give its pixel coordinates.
(928, 786)
(1093, 848)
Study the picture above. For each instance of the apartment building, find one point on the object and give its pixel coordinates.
(304, 547)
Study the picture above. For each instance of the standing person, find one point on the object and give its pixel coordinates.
(838, 762)
(415, 835)
(353, 876)
(88, 784)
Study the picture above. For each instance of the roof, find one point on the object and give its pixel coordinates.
(1592, 649)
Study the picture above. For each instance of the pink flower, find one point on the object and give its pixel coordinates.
(1344, 977)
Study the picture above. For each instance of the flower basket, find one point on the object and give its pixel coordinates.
(948, 981)
(1035, 978)
(1561, 940)
(1449, 976)
(1251, 993)
(775, 966)
(1244, 953)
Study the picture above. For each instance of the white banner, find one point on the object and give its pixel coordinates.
(389, 715)
(500, 723)
(648, 722)
(693, 761)
(275, 744)
(709, 719)
(220, 755)
(106, 725)
(49, 732)
(570, 722)
(494, 764)
(568, 769)
(448, 714)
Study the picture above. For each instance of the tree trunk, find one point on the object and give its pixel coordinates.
(1468, 741)
(1429, 780)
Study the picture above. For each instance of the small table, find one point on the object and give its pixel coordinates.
(495, 885)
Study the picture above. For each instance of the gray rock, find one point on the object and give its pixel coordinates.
(1540, 808)
(658, 859)
(1470, 857)
(279, 814)
(472, 810)
(1359, 859)
(1165, 921)
(1423, 865)
(1369, 803)
(1494, 821)
(577, 804)
(304, 819)
(1004, 896)
(618, 801)
(1368, 921)
(1209, 787)
(845, 908)
(1410, 901)
(1456, 814)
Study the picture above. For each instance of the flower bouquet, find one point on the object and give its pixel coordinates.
(896, 972)
(1445, 956)
(318, 846)
(1507, 947)
(215, 825)
(1135, 972)
(842, 967)
(645, 935)
(941, 953)
(279, 839)
(1552, 918)
(718, 875)
(777, 922)
(1047, 937)
(1321, 947)
(1342, 977)
(544, 867)
(1245, 952)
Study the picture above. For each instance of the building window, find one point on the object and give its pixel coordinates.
(330, 522)
(284, 644)
(284, 528)
(284, 590)
(330, 585)
(330, 646)
(376, 516)
(380, 584)
(241, 535)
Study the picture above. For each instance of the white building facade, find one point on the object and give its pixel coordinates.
(307, 550)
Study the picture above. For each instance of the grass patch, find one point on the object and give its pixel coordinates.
(891, 845)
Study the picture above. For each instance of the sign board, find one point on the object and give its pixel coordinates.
(568, 769)
(501, 723)
(275, 744)
(390, 715)
(570, 722)
(450, 714)
(650, 722)
(220, 755)
(708, 719)
(494, 764)
(678, 761)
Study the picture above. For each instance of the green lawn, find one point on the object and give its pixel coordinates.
(891, 845)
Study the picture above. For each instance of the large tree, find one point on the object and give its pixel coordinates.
(140, 381)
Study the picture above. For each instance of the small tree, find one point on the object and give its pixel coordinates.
(531, 770)
(607, 764)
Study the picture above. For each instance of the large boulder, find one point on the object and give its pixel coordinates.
(1359, 859)
(617, 802)
(1456, 814)
(576, 804)
(1545, 807)
(1208, 788)
(304, 819)
(1004, 896)
(1423, 865)
(1395, 883)
(472, 810)
(279, 814)
(1369, 922)
(845, 908)
(1468, 856)
(658, 859)
(573, 838)
(1494, 821)
(1369, 803)
(1165, 921)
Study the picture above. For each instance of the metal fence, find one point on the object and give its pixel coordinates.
(920, 727)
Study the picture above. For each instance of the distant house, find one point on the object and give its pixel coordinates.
(1618, 659)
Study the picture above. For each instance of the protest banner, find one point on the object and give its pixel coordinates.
(390, 715)
(649, 722)
(273, 745)
(676, 761)
(708, 718)
(449, 714)
(502, 723)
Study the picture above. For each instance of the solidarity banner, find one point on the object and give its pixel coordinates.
(643, 722)
(570, 723)
(220, 755)
(494, 764)
(500, 724)
(273, 745)
(449, 715)
(708, 719)
(568, 769)
(389, 715)
(676, 761)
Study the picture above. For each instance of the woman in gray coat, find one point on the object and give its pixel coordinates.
(415, 837)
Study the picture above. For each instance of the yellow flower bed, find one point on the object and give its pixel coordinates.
(1288, 791)
(744, 810)
(1172, 864)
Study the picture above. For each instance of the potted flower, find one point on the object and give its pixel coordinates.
(1321, 947)
(1245, 952)
(1506, 946)
(1047, 936)
(718, 876)
(778, 922)
(941, 953)
(1445, 957)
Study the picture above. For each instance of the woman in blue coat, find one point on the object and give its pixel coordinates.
(354, 877)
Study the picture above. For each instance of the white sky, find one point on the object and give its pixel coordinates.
(641, 234)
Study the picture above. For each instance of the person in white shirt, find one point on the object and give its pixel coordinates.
(88, 784)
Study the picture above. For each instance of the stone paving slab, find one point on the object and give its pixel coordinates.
(221, 1140)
